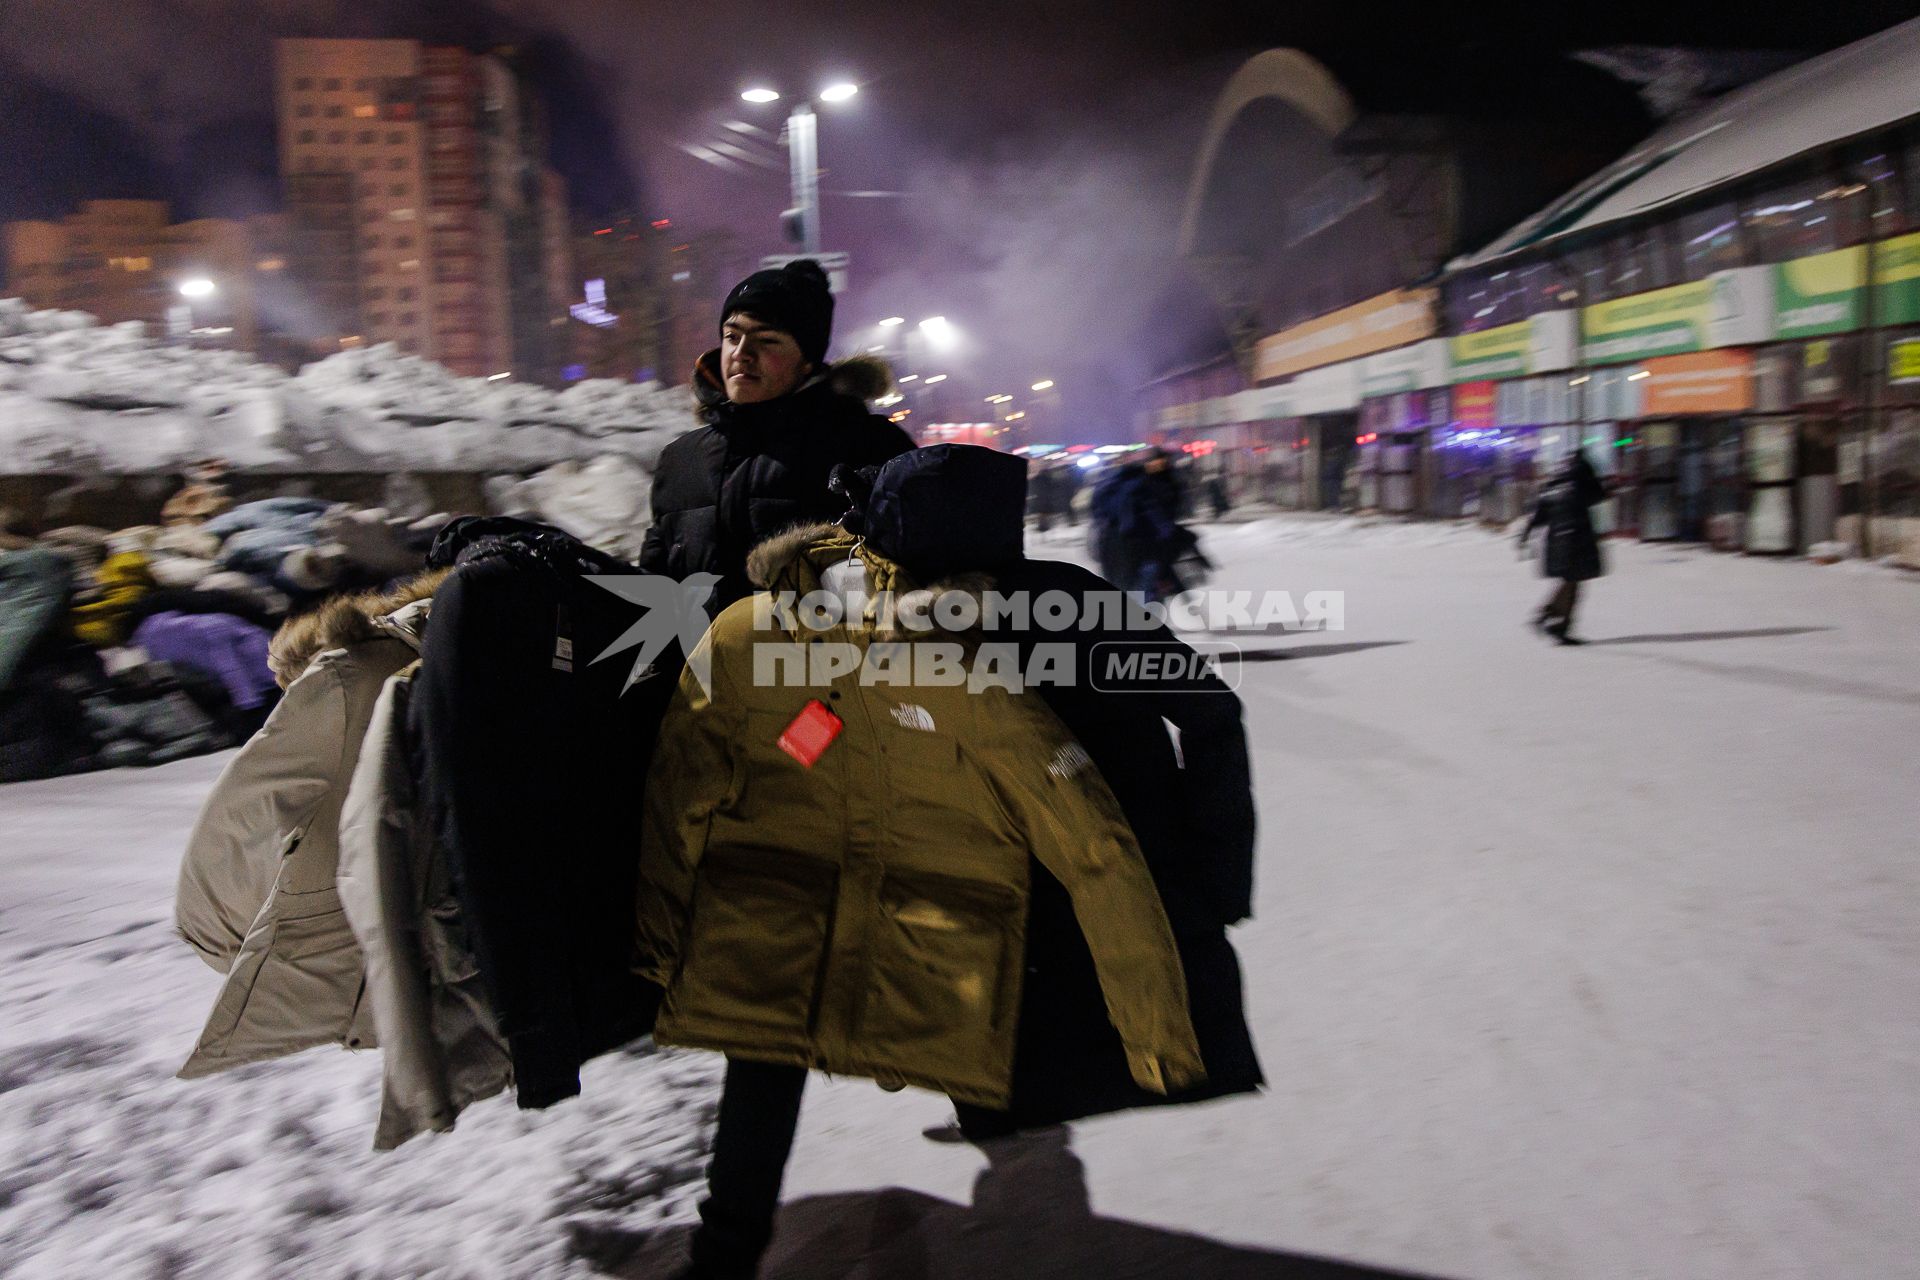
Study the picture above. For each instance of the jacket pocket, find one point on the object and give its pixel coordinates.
(757, 943)
(942, 998)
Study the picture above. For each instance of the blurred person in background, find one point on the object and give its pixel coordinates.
(1572, 550)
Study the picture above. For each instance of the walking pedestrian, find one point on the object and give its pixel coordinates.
(1572, 550)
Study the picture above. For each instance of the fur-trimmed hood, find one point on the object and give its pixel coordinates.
(346, 621)
(794, 560)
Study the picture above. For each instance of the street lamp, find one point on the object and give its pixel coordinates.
(802, 220)
(1045, 384)
(892, 322)
(198, 287)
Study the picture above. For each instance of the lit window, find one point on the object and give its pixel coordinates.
(365, 111)
(410, 264)
(403, 215)
(271, 264)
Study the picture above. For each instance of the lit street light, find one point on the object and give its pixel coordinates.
(938, 377)
(892, 321)
(1045, 384)
(199, 287)
(802, 220)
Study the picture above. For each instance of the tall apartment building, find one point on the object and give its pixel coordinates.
(124, 260)
(433, 157)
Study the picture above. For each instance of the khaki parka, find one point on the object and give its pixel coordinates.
(866, 915)
(256, 895)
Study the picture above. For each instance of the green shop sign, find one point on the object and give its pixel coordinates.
(1492, 353)
(1662, 322)
(1825, 293)
(1896, 279)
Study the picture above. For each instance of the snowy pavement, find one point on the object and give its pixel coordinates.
(1589, 962)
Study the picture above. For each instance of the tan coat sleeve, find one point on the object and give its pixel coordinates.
(259, 809)
(1054, 794)
(694, 772)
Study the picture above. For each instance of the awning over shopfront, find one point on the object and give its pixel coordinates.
(1865, 86)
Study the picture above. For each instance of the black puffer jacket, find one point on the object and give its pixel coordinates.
(755, 470)
(530, 756)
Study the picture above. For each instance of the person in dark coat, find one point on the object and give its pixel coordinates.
(1572, 552)
(776, 420)
(1191, 807)
(1114, 501)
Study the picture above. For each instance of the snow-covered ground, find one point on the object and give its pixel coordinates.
(1590, 962)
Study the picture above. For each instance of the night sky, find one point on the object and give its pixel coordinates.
(1041, 149)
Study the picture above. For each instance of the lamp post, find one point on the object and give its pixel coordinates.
(180, 317)
(802, 220)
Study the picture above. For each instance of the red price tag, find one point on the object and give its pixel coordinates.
(811, 733)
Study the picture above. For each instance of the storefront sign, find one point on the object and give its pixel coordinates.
(1706, 382)
(1414, 368)
(1821, 294)
(1903, 362)
(1646, 324)
(1333, 389)
(1896, 279)
(1492, 353)
(1536, 345)
(1476, 404)
(1728, 309)
(1378, 324)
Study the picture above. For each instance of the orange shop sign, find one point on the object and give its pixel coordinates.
(1703, 382)
(1378, 324)
(1474, 402)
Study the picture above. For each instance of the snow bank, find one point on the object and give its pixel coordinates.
(80, 397)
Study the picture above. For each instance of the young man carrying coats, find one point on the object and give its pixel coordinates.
(777, 419)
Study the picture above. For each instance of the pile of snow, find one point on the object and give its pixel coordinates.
(80, 397)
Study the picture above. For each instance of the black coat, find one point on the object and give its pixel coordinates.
(1192, 812)
(950, 509)
(1564, 508)
(753, 471)
(532, 757)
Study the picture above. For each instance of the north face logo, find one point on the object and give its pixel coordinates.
(910, 716)
(1069, 760)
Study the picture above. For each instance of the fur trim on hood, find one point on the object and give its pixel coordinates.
(765, 561)
(770, 561)
(343, 622)
(864, 377)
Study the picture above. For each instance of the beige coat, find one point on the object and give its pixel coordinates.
(256, 896)
(440, 1046)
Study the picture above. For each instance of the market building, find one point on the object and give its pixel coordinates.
(1727, 318)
